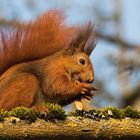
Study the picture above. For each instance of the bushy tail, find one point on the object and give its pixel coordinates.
(44, 36)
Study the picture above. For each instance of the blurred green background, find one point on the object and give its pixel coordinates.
(116, 58)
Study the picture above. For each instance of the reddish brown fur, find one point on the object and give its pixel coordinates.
(51, 52)
(46, 35)
(24, 80)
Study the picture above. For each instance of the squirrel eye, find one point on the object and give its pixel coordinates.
(82, 61)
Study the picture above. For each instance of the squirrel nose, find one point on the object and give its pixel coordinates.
(90, 79)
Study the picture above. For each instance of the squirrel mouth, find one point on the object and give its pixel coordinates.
(77, 79)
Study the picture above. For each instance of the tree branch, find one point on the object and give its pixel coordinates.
(115, 39)
(5, 23)
(132, 98)
(72, 128)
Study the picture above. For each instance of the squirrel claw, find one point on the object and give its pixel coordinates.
(94, 88)
(82, 92)
(87, 97)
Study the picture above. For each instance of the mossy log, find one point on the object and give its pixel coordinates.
(72, 128)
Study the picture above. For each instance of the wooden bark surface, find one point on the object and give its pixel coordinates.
(72, 129)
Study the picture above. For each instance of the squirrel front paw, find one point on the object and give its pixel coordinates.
(85, 88)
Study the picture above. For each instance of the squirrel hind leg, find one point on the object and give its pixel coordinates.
(21, 90)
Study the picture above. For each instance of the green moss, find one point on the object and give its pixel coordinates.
(114, 112)
(55, 111)
(3, 114)
(24, 113)
(131, 113)
(106, 113)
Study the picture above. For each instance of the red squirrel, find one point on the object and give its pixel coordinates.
(46, 61)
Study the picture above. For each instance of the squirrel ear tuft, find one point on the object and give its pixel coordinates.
(79, 42)
(84, 36)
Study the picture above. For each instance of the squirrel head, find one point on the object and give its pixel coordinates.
(78, 63)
